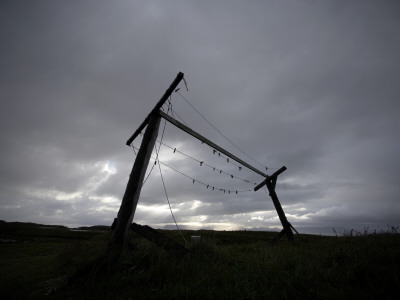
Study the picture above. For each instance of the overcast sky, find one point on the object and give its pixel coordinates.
(310, 85)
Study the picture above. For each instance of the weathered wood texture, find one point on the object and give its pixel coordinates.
(208, 142)
(160, 103)
(160, 240)
(129, 201)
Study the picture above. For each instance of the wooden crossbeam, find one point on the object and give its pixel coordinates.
(281, 170)
(208, 142)
(156, 108)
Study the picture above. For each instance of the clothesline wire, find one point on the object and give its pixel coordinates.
(196, 180)
(173, 112)
(206, 164)
(162, 137)
(166, 195)
(203, 163)
(230, 141)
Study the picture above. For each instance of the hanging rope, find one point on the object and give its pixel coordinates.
(152, 167)
(166, 195)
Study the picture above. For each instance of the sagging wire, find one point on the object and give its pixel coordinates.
(148, 175)
(214, 151)
(202, 163)
(194, 180)
(198, 112)
(240, 167)
(152, 167)
(179, 117)
(169, 108)
(230, 161)
(166, 195)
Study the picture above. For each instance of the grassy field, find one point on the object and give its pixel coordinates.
(54, 262)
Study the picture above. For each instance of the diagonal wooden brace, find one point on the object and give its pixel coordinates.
(270, 182)
(271, 178)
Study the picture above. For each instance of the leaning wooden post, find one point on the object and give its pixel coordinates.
(135, 182)
(270, 182)
(285, 223)
(127, 209)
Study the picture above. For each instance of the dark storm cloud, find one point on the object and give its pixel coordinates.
(310, 85)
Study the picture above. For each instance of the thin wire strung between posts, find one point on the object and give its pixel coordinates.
(169, 108)
(173, 112)
(162, 137)
(194, 180)
(231, 161)
(179, 117)
(152, 167)
(240, 167)
(166, 195)
(198, 112)
(203, 163)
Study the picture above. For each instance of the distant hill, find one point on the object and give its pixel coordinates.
(36, 225)
(27, 231)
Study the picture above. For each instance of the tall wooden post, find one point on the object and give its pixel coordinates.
(135, 182)
(127, 209)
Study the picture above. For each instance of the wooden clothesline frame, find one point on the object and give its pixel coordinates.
(130, 199)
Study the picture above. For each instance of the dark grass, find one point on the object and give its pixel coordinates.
(224, 265)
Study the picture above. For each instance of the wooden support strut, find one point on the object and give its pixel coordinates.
(270, 182)
(281, 170)
(208, 142)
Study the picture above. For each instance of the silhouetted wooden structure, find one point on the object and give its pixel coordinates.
(131, 196)
(124, 219)
(270, 182)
